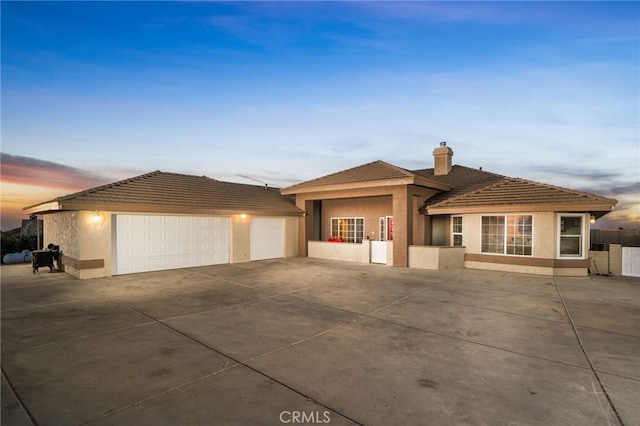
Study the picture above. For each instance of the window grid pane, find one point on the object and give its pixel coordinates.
(570, 236)
(457, 230)
(350, 229)
(493, 234)
(512, 235)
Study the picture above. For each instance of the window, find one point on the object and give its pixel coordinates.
(350, 229)
(456, 223)
(385, 228)
(510, 234)
(571, 236)
(493, 234)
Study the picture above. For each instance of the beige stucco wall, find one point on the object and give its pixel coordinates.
(615, 259)
(599, 262)
(545, 233)
(349, 252)
(436, 257)
(545, 244)
(291, 237)
(62, 230)
(80, 238)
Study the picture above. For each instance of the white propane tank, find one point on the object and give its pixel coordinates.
(22, 257)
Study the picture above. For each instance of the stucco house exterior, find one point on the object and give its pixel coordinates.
(448, 216)
(165, 220)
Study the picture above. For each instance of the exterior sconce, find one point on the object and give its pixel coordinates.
(97, 218)
(592, 219)
(243, 216)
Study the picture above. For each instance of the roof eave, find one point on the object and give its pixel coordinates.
(190, 210)
(43, 207)
(378, 183)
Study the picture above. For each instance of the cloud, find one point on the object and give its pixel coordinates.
(31, 171)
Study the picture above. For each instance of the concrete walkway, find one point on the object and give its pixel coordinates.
(295, 341)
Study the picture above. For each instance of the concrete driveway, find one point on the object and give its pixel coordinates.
(300, 340)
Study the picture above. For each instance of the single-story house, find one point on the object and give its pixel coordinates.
(448, 216)
(164, 220)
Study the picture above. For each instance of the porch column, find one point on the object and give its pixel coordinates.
(402, 226)
(305, 225)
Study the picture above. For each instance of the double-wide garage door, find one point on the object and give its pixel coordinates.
(154, 243)
(146, 243)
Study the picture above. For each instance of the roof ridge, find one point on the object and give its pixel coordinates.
(345, 171)
(398, 168)
(460, 166)
(108, 185)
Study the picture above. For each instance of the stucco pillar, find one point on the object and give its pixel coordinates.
(305, 225)
(402, 226)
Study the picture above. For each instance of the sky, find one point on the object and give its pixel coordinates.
(282, 92)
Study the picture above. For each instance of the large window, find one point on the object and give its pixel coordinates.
(456, 225)
(571, 236)
(511, 234)
(349, 229)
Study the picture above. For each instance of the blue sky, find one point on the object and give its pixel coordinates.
(279, 92)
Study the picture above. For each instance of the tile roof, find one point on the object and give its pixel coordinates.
(161, 191)
(372, 173)
(463, 188)
(476, 188)
(462, 180)
(376, 170)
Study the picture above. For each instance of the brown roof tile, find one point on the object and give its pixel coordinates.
(372, 173)
(495, 190)
(161, 191)
(376, 170)
(462, 180)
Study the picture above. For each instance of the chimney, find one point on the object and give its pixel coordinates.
(442, 159)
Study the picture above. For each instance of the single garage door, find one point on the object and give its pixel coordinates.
(154, 243)
(267, 238)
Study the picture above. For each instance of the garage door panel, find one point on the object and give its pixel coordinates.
(151, 243)
(267, 238)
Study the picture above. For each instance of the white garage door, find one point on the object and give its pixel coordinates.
(154, 243)
(267, 238)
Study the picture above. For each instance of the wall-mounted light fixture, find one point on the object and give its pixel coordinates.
(243, 216)
(97, 218)
(592, 219)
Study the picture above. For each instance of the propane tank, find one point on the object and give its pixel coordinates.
(22, 257)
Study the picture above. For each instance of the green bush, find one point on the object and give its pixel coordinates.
(10, 244)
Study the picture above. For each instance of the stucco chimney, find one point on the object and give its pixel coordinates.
(442, 159)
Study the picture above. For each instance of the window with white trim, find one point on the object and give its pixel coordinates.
(349, 229)
(571, 230)
(509, 234)
(456, 230)
(385, 228)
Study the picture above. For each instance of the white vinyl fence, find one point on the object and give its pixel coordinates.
(631, 261)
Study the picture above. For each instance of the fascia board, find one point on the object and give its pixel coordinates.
(44, 207)
(409, 180)
(186, 210)
(505, 208)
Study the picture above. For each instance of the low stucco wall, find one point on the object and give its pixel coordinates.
(350, 252)
(599, 263)
(527, 269)
(436, 257)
